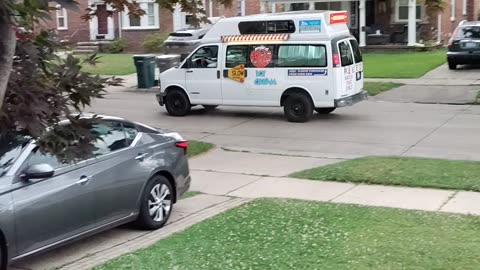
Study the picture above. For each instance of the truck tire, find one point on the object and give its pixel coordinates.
(177, 103)
(298, 108)
(325, 110)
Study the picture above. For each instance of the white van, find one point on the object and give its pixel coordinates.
(303, 62)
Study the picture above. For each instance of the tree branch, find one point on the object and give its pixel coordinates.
(7, 51)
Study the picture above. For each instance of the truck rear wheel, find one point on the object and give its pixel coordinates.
(298, 108)
(177, 103)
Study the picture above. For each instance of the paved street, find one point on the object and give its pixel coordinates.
(368, 128)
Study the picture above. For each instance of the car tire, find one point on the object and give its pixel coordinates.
(325, 110)
(156, 204)
(452, 65)
(177, 103)
(298, 108)
(210, 107)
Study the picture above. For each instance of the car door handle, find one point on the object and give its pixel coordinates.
(141, 156)
(189, 71)
(83, 180)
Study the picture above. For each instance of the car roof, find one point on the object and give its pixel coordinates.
(470, 23)
(104, 117)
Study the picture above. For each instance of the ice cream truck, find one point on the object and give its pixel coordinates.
(303, 62)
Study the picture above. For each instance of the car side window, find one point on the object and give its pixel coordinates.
(130, 132)
(37, 157)
(112, 137)
(205, 57)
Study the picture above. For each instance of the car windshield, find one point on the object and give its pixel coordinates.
(472, 32)
(10, 150)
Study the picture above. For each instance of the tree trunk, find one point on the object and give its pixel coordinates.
(7, 52)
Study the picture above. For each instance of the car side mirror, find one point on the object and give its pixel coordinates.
(38, 171)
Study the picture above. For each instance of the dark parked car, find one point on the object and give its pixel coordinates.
(464, 46)
(137, 174)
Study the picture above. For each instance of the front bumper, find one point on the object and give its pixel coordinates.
(349, 101)
(160, 99)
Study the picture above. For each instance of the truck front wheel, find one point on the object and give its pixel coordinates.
(177, 103)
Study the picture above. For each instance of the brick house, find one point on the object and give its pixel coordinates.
(110, 24)
(398, 21)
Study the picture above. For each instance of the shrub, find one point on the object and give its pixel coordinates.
(117, 46)
(154, 42)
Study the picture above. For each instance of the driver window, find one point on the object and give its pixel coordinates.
(205, 57)
(37, 157)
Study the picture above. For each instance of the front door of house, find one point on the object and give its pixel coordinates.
(102, 18)
(102, 25)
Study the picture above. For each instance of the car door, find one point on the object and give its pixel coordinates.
(50, 210)
(203, 76)
(118, 171)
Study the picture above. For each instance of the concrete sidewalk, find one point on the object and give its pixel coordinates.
(245, 186)
(253, 175)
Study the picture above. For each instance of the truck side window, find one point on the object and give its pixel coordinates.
(236, 55)
(345, 53)
(302, 56)
(205, 57)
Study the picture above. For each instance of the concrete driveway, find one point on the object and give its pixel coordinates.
(439, 86)
(368, 128)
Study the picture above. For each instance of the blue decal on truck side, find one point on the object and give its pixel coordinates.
(307, 72)
(310, 26)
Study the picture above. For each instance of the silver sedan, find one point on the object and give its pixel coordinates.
(137, 174)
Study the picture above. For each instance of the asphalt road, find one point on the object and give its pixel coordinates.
(367, 128)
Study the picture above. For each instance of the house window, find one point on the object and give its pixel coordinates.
(188, 20)
(151, 14)
(62, 23)
(148, 21)
(239, 8)
(401, 11)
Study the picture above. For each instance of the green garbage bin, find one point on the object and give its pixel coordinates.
(145, 65)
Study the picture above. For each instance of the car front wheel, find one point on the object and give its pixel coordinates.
(177, 103)
(156, 204)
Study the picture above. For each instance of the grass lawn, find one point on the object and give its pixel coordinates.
(414, 172)
(189, 194)
(375, 88)
(197, 148)
(290, 234)
(112, 64)
(402, 65)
